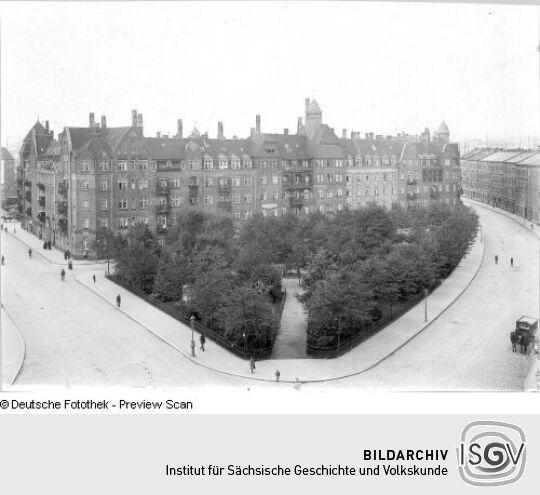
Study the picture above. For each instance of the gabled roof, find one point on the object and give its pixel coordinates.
(500, 156)
(533, 160)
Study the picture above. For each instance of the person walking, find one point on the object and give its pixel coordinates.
(94, 277)
(278, 374)
(512, 262)
(513, 340)
(3, 260)
(118, 300)
(203, 341)
(252, 364)
(496, 259)
(63, 274)
(30, 252)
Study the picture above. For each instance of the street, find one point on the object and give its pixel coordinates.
(75, 337)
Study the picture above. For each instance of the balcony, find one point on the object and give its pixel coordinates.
(163, 208)
(63, 188)
(62, 208)
(41, 201)
(163, 189)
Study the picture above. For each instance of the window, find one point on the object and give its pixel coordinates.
(247, 198)
(339, 178)
(223, 164)
(122, 184)
(175, 201)
(384, 191)
(86, 223)
(122, 204)
(339, 163)
(103, 165)
(248, 181)
(208, 182)
(192, 164)
(103, 223)
(208, 164)
(162, 221)
(320, 193)
(275, 179)
(143, 184)
(133, 204)
(340, 193)
(248, 213)
(235, 181)
(235, 164)
(143, 165)
(132, 164)
(275, 195)
(236, 198)
(123, 223)
(263, 180)
(330, 194)
(264, 196)
(85, 185)
(103, 185)
(104, 204)
(208, 200)
(284, 211)
(247, 164)
(176, 182)
(85, 245)
(143, 204)
(85, 166)
(132, 183)
(86, 205)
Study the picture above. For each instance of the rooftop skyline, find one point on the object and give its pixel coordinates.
(382, 68)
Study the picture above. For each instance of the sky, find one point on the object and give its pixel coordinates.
(372, 66)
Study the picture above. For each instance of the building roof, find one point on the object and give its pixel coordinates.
(5, 154)
(500, 156)
(533, 160)
(314, 107)
(478, 154)
(443, 128)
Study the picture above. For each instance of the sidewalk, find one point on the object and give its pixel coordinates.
(531, 383)
(359, 360)
(13, 350)
(53, 255)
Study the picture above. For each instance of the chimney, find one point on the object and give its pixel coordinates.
(220, 130)
(180, 129)
(378, 137)
(103, 122)
(258, 123)
(134, 118)
(286, 131)
(158, 134)
(344, 133)
(299, 126)
(139, 120)
(371, 136)
(47, 126)
(91, 120)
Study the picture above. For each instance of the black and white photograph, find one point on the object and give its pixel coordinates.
(270, 195)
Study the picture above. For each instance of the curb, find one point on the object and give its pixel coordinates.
(22, 342)
(318, 380)
(86, 263)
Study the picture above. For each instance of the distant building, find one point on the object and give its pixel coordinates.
(99, 177)
(507, 179)
(8, 179)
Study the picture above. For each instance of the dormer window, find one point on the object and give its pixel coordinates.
(223, 164)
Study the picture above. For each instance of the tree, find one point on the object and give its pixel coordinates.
(171, 276)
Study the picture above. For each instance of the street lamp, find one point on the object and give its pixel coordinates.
(426, 292)
(192, 324)
(244, 336)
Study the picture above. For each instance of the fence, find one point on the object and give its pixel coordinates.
(240, 351)
(351, 343)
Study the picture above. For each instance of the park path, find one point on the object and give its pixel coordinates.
(291, 339)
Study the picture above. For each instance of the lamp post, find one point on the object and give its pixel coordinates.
(244, 337)
(192, 324)
(426, 292)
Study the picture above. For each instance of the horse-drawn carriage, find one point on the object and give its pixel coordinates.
(524, 334)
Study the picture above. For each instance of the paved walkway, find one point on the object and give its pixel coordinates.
(290, 342)
(363, 358)
(51, 255)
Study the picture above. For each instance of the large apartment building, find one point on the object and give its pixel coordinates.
(97, 177)
(507, 179)
(8, 179)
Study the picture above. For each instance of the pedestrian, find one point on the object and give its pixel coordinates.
(203, 341)
(513, 340)
(94, 277)
(278, 374)
(63, 274)
(496, 259)
(3, 260)
(70, 264)
(252, 364)
(30, 252)
(118, 300)
(512, 262)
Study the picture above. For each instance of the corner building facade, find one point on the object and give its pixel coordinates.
(99, 177)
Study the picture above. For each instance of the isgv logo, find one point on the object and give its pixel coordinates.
(491, 453)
